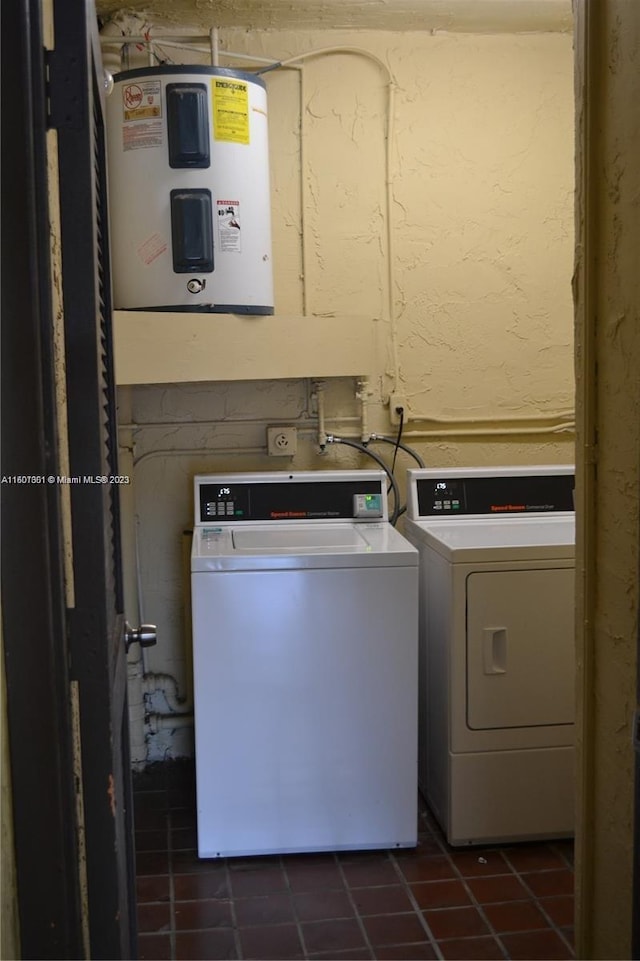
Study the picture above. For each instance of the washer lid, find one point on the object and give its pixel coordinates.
(288, 539)
(299, 546)
(540, 537)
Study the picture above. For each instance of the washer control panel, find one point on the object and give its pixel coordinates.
(312, 498)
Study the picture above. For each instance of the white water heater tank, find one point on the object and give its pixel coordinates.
(189, 202)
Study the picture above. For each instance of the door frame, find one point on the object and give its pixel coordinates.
(33, 592)
(62, 617)
(96, 626)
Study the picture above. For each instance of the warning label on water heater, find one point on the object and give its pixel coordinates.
(230, 110)
(142, 115)
(229, 233)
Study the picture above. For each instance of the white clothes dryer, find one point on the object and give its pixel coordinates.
(305, 647)
(496, 640)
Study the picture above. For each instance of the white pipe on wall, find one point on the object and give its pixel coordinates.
(168, 722)
(300, 422)
(559, 415)
(177, 43)
(322, 434)
(186, 42)
(214, 47)
(558, 422)
(362, 394)
(487, 432)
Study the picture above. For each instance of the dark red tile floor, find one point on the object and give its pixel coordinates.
(508, 901)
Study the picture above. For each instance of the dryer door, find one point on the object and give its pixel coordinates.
(520, 648)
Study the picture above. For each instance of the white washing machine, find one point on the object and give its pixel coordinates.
(497, 665)
(305, 650)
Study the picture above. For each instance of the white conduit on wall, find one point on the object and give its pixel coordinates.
(487, 431)
(433, 428)
(426, 428)
(560, 422)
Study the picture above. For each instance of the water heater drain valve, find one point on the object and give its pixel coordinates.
(195, 285)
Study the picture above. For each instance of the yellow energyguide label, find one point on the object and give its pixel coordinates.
(230, 110)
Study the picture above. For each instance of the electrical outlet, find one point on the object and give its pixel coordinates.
(282, 441)
(397, 403)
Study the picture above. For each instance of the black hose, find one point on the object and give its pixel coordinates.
(271, 66)
(391, 440)
(397, 443)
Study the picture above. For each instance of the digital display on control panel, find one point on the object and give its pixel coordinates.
(224, 502)
(310, 500)
(535, 493)
(448, 496)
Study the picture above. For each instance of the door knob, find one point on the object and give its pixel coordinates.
(145, 635)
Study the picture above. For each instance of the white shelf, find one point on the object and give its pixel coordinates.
(162, 347)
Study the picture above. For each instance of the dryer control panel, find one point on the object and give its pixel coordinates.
(494, 495)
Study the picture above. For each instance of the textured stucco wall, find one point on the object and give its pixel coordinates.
(467, 280)
(608, 460)
(481, 170)
(465, 255)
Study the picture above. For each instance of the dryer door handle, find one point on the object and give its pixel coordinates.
(494, 650)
